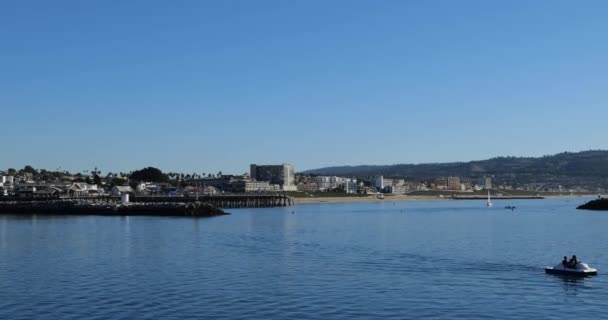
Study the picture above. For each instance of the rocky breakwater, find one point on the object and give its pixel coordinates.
(84, 207)
(598, 204)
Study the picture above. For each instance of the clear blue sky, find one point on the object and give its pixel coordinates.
(215, 85)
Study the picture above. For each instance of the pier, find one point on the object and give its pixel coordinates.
(226, 201)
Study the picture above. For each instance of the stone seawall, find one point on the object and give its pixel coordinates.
(84, 207)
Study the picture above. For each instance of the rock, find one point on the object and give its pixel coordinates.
(598, 204)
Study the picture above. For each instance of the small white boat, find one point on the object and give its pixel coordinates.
(581, 269)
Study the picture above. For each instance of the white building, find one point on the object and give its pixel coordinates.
(210, 191)
(80, 189)
(325, 183)
(120, 190)
(261, 186)
(322, 183)
(395, 189)
(379, 183)
(8, 180)
(350, 186)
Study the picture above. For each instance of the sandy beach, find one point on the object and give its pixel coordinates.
(365, 199)
(399, 198)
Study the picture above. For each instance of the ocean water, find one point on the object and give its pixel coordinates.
(389, 260)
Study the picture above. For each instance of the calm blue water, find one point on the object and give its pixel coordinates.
(441, 259)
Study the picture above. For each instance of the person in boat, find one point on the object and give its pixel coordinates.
(573, 262)
(565, 261)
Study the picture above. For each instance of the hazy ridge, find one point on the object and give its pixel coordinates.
(586, 169)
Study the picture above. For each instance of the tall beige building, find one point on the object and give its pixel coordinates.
(454, 183)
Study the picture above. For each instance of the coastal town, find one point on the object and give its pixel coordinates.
(269, 178)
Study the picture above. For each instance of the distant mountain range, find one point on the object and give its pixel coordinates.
(587, 169)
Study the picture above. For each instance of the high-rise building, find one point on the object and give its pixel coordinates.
(454, 183)
(282, 174)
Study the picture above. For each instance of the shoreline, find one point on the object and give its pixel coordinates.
(371, 198)
(365, 199)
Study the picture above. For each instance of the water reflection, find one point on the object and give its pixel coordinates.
(3, 243)
(572, 284)
(126, 222)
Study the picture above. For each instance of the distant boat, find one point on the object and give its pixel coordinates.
(489, 204)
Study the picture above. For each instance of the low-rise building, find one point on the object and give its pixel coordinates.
(191, 191)
(81, 189)
(308, 187)
(7, 180)
(395, 189)
(224, 183)
(155, 188)
(325, 183)
(440, 184)
(255, 186)
(388, 182)
(366, 190)
(49, 192)
(7, 184)
(25, 191)
(210, 191)
(117, 191)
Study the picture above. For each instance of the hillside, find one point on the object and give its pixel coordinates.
(588, 169)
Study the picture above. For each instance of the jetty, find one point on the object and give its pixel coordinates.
(86, 207)
(157, 205)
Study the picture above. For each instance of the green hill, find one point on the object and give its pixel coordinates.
(588, 169)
